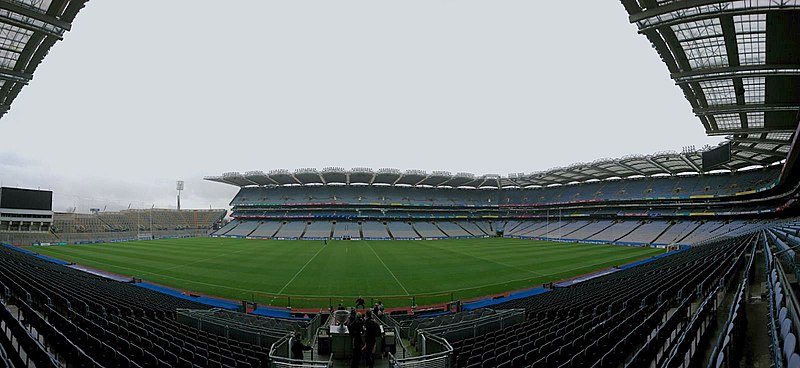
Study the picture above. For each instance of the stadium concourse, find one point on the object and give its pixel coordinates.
(725, 296)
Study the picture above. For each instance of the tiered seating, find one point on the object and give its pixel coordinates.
(317, 230)
(452, 229)
(609, 190)
(615, 231)
(474, 229)
(90, 321)
(401, 230)
(566, 230)
(266, 229)
(590, 229)
(646, 233)
(782, 328)
(428, 230)
(244, 228)
(374, 230)
(600, 322)
(291, 230)
(346, 229)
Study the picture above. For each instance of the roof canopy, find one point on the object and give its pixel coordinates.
(665, 163)
(28, 29)
(738, 64)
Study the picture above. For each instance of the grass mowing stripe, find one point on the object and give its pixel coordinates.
(310, 274)
(489, 260)
(201, 260)
(387, 268)
(303, 268)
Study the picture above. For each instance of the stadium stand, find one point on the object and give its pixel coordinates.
(473, 228)
(428, 230)
(244, 228)
(374, 230)
(402, 230)
(291, 230)
(646, 233)
(85, 320)
(346, 230)
(453, 229)
(318, 230)
(591, 324)
(266, 229)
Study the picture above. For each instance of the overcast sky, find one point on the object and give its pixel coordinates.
(142, 93)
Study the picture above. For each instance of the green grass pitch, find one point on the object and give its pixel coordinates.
(313, 274)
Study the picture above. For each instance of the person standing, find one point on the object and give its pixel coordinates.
(298, 347)
(355, 326)
(360, 301)
(372, 331)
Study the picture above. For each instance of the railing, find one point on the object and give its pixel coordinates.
(436, 353)
(236, 330)
(392, 324)
(724, 338)
(475, 327)
(313, 326)
(777, 361)
(681, 351)
(279, 356)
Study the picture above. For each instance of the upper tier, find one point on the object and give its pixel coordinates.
(674, 187)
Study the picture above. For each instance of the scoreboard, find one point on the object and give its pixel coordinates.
(26, 199)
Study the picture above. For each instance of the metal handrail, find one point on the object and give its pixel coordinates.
(282, 361)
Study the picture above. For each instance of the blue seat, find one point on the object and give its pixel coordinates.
(789, 344)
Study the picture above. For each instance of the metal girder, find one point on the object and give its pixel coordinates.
(666, 8)
(660, 166)
(760, 140)
(744, 71)
(747, 131)
(750, 160)
(30, 13)
(690, 163)
(734, 109)
(15, 76)
(629, 167)
(757, 150)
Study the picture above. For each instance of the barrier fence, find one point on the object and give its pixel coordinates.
(431, 302)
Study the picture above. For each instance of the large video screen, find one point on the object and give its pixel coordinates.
(26, 199)
(716, 157)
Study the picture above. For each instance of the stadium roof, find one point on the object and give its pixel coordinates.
(28, 29)
(664, 163)
(737, 62)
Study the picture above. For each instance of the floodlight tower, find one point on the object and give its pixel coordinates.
(179, 186)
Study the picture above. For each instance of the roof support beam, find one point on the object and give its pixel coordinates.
(690, 163)
(748, 131)
(765, 70)
(750, 160)
(662, 167)
(735, 109)
(629, 167)
(758, 150)
(30, 13)
(764, 140)
(666, 8)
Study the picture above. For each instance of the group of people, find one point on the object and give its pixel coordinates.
(377, 309)
(364, 332)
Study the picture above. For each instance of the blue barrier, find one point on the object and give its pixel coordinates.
(276, 313)
(37, 255)
(207, 300)
(488, 302)
(651, 259)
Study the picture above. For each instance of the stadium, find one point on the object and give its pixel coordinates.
(669, 259)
